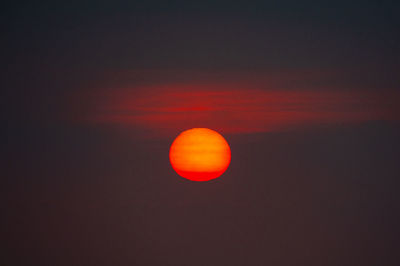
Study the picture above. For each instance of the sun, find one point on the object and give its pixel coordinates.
(200, 154)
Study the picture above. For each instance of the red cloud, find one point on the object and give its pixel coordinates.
(235, 108)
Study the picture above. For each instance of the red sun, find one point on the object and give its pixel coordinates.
(200, 154)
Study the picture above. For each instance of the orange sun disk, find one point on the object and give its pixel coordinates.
(200, 154)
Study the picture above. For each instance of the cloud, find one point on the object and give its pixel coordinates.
(235, 107)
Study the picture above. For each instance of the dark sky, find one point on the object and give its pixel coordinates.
(305, 92)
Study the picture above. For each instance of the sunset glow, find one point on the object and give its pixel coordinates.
(234, 108)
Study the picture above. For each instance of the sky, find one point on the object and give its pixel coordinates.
(305, 92)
